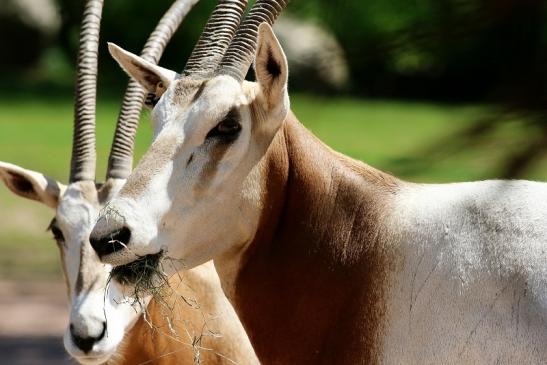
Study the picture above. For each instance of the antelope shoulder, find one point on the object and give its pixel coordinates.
(473, 265)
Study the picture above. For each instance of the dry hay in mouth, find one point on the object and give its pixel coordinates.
(146, 277)
(139, 271)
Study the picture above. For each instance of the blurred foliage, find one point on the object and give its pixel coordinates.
(128, 24)
(449, 49)
(434, 49)
(492, 51)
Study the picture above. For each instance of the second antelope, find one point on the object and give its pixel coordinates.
(113, 330)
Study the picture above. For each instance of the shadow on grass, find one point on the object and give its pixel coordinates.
(513, 163)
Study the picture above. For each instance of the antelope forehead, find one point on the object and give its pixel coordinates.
(76, 221)
(221, 92)
(78, 205)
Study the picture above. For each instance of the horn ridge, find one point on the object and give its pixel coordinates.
(121, 153)
(219, 31)
(239, 56)
(83, 159)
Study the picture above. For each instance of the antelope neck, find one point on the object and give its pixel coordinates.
(319, 229)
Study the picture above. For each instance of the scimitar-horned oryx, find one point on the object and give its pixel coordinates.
(206, 331)
(326, 259)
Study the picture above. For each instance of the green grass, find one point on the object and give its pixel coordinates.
(415, 141)
(421, 142)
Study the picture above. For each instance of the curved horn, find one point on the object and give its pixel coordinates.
(82, 165)
(215, 38)
(240, 54)
(121, 153)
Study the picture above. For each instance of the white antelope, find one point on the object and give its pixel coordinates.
(208, 331)
(326, 259)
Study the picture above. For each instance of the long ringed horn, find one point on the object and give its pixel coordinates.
(84, 156)
(215, 38)
(121, 153)
(240, 54)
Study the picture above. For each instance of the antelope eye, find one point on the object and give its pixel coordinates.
(57, 234)
(228, 129)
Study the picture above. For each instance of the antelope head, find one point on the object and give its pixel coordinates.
(98, 320)
(195, 194)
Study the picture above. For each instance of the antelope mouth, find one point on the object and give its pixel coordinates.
(143, 272)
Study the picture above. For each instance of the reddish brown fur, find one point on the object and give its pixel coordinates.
(144, 344)
(311, 288)
(199, 323)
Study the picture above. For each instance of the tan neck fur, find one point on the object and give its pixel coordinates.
(194, 324)
(295, 291)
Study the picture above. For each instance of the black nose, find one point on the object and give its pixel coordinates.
(86, 343)
(111, 242)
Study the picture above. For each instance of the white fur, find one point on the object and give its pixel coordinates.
(128, 60)
(472, 287)
(76, 216)
(175, 196)
(77, 208)
(100, 303)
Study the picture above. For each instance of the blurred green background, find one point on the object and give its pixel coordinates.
(429, 90)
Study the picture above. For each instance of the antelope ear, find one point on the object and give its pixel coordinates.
(153, 78)
(270, 66)
(31, 184)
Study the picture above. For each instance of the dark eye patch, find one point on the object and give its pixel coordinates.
(228, 129)
(56, 231)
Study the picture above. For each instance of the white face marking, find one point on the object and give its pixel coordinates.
(193, 196)
(90, 307)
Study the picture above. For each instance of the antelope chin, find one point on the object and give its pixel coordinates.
(94, 360)
(141, 272)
